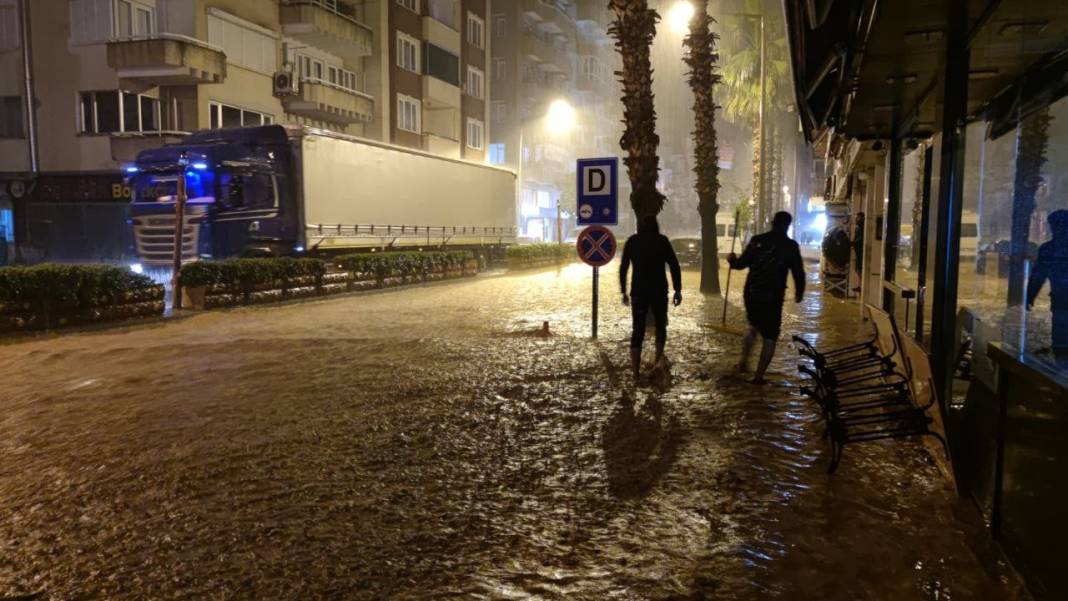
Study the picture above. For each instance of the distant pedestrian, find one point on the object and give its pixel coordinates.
(649, 251)
(1052, 265)
(858, 248)
(770, 257)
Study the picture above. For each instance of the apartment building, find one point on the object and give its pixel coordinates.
(546, 52)
(437, 84)
(109, 78)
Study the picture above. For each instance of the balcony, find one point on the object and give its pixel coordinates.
(327, 102)
(438, 94)
(330, 25)
(549, 14)
(441, 145)
(549, 57)
(126, 147)
(594, 13)
(441, 35)
(166, 60)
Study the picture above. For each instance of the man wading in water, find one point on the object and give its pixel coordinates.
(649, 251)
(768, 257)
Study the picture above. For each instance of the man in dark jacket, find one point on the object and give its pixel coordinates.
(1052, 265)
(649, 251)
(770, 257)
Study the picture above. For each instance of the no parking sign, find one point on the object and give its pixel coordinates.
(596, 246)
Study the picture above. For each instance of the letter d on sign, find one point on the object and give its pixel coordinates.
(595, 181)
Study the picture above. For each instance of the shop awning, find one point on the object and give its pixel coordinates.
(866, 66)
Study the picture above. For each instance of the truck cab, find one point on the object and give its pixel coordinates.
(241, 197)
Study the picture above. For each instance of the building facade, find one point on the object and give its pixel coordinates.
(109, 78)
(551, 56)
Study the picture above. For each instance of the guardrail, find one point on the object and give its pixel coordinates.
(318, 233)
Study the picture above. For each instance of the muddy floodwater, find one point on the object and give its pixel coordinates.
(424, 444)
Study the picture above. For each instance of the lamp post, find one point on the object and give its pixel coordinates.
(558, 119)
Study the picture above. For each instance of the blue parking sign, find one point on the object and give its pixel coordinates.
(598, 191)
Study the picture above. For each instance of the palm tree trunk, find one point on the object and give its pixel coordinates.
(1031, 144)
(701, 59)
(634, 29)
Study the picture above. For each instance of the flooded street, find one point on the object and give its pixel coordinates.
(424, 444)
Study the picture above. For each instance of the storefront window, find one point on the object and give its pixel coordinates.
(1014, 186)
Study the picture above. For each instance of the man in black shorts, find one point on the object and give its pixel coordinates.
(770, 257)
(649, 251)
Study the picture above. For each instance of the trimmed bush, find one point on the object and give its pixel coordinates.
(386, 264)
(522, 253)
(47, 287)
(245, 274)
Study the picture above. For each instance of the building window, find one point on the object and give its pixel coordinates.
(412, 5)
(409, 114)
(312, 69)
(500, 111)
(11, 117)
(500, 25)
(442, 64)
(115, 111)
(497, 154)
(224, 115)
(9, 26)
(133, 19)
(407, 52)
(474, 134)
(246, 44)
(476, 28)
(475, 79)
(96, 21)
(499, 66)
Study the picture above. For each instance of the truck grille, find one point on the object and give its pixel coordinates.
(154, 237)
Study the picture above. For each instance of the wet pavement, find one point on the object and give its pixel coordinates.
(424, 444)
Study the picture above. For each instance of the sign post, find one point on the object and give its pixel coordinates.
(179, 227)
(596, 247)
(597, 206)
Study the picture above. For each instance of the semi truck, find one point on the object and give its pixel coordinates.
(281, 190)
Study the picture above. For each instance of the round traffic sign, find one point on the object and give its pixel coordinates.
(596, 245)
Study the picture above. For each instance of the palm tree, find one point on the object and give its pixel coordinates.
(701, 59)
(741, 89)
(634, 29)
(1031, 157)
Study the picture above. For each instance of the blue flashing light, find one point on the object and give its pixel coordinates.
(131, 170)
(299, 249)
(200, 166)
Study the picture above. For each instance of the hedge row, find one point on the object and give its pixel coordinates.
(404, 263)
(249, 273)
(46, 287)
(538, 252)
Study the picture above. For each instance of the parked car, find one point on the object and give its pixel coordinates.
(688, 250)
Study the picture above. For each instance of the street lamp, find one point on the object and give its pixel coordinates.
(559, 119)
(679, 17)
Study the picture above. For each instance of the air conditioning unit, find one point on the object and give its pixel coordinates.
(285, 84)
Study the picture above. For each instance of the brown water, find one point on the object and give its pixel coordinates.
(421, 444)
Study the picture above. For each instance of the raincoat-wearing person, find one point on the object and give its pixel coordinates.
(649, 251)
(1052, 265)
(770, 258)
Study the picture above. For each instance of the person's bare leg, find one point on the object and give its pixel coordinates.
(635, 362)
(767, 351)
(747, 348)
